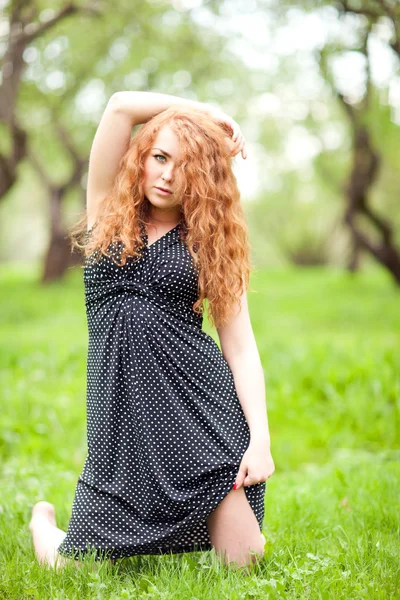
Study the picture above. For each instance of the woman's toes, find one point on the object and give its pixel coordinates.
(43, 509)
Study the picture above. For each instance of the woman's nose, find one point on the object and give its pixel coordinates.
(167, 174)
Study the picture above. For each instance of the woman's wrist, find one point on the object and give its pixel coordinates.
(260, 437)
(142, 106)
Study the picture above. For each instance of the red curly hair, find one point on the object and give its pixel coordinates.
(213, 223)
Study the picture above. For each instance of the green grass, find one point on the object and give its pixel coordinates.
(329, 345)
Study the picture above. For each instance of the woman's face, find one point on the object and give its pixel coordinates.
(160, 172)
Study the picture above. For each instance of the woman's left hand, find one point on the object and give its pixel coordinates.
(236, 143)
(256, 466)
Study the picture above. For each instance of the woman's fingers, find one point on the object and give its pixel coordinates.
(243, 148)
(239, 146)
(236, 133)
(237, 136)
(236, 140)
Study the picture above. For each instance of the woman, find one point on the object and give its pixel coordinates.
(178, 440)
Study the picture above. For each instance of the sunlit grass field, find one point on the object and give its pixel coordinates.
(329, 345)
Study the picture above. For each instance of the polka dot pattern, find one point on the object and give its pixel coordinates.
(165, 428)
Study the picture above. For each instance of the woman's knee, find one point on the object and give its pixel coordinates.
(234, 530)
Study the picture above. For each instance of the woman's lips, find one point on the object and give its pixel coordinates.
(164, 192)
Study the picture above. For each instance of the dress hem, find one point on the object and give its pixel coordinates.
(140, 549)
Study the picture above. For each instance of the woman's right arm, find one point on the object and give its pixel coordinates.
(110, 143)
(124, 110)
(140, 107)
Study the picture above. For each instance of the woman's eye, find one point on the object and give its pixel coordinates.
(159, 155)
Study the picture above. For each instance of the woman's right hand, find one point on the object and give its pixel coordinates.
(236, 142)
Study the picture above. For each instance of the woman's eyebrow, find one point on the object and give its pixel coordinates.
(163, 151)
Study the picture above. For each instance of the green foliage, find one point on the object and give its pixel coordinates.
(329, 348)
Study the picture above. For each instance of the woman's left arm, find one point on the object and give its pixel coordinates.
(240, 350)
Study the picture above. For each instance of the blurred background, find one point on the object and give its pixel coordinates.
(315, 87)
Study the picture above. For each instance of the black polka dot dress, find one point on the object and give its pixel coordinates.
(165, 428)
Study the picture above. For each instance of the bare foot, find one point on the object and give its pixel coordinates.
(47, 536)
(43, 510)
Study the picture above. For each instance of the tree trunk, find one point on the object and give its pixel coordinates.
(363, 174)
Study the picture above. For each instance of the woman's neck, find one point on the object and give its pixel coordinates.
(165, 219)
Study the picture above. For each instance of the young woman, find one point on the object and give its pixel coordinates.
(178, 439)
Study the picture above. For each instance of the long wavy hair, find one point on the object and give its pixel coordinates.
(213, 224)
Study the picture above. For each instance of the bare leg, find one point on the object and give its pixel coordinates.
(46, 536)
(234, 530)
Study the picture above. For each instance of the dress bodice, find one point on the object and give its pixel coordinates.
(164, 275)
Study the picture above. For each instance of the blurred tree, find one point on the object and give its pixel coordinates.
(59, 256)
(366, 157)
(373, 10)
(371, 157)
(362, 139)
(27, 22)
(24, 26)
